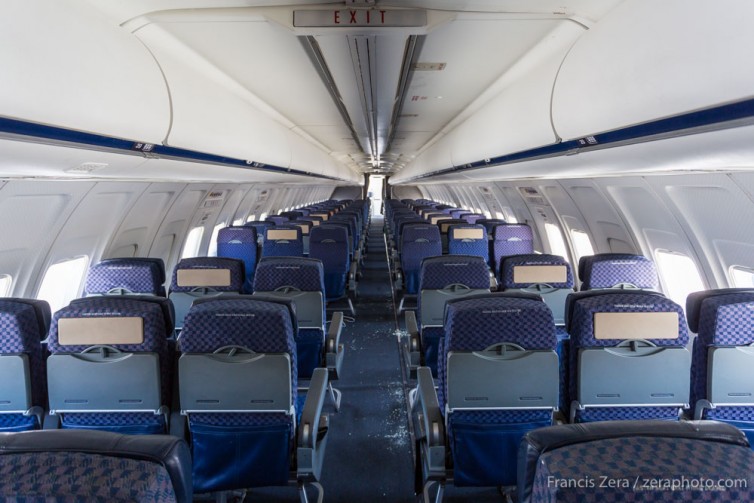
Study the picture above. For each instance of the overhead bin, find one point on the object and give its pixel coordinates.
(70, 67)
(647, 60)
(511, 116)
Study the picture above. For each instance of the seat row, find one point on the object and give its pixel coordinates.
(229, 384)
(628, 360)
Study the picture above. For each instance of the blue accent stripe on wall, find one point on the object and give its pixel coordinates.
(679, 125)
(81, 139)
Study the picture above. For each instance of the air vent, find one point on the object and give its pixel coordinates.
(428, 67)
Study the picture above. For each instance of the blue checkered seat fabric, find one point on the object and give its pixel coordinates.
(70, 465)
(92, 343)
(486, 330)
(468, 240)
(133, 275)
(231, 449)
(472, 218)
(617, 270)
(278, 219)
(628, 356)
(510, 239)
(442, 279)
(723, 356)
(638, 461)
(418, 241)
(329, 244)
(303, 281)
(283, 241)
(240, 243)
(23, 390)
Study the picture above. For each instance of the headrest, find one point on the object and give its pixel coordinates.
(165, 304)
(436, 219)
(725, 317)
(610, 317)
(277, 219)
(324, 215)
(329, 231)
(478, 322)
(237, 235)
(129, 324)
(606, 270)
(166, 450)
(472, 218)
(263, 327)
(694, 302)
(522, 271)
(490, 223)
(537, 442)
(137, 275)
(217, 273)
(24, 323)
(424, 231)
(440, 272)
(40, 311)
(305, 274)
(512, 232)
(305, 226)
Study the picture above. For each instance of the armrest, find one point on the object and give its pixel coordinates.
(310, 441)
(352, 276)
(412, 351)
(493, 282)
(432, 425)
(334, 350)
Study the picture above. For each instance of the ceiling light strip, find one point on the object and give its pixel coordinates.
(414, 44)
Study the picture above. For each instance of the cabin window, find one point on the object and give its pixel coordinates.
(262, 217)
(679, 275)
(193, 242)
(581, 243)
(237, 222)
(62, 282)
(212, 252)
(5, 283)
(555, 238)
(251, 218)
(742, 277)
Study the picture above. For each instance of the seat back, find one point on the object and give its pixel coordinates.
(126, 276)
(468, 239)
(418, 241)
(510, 239)
(23, 382)
(472, 218)
(240, 243)
(628, 357)
(329, 244)
(99, 466)
(722, 369)
(547, 275)
(617, 270)
(278, 219)
(238, 385)
(612, 458)
(301, 280)
(283, 241)
(110, 365)
(489, 340)
(441, 279)
(202, 277)
(306, 228)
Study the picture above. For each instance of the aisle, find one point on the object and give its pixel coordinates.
(369, 454)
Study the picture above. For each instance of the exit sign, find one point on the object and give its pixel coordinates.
(359, 18)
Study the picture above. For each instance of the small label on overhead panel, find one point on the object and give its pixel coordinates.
(142, 147)
(589, 140)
